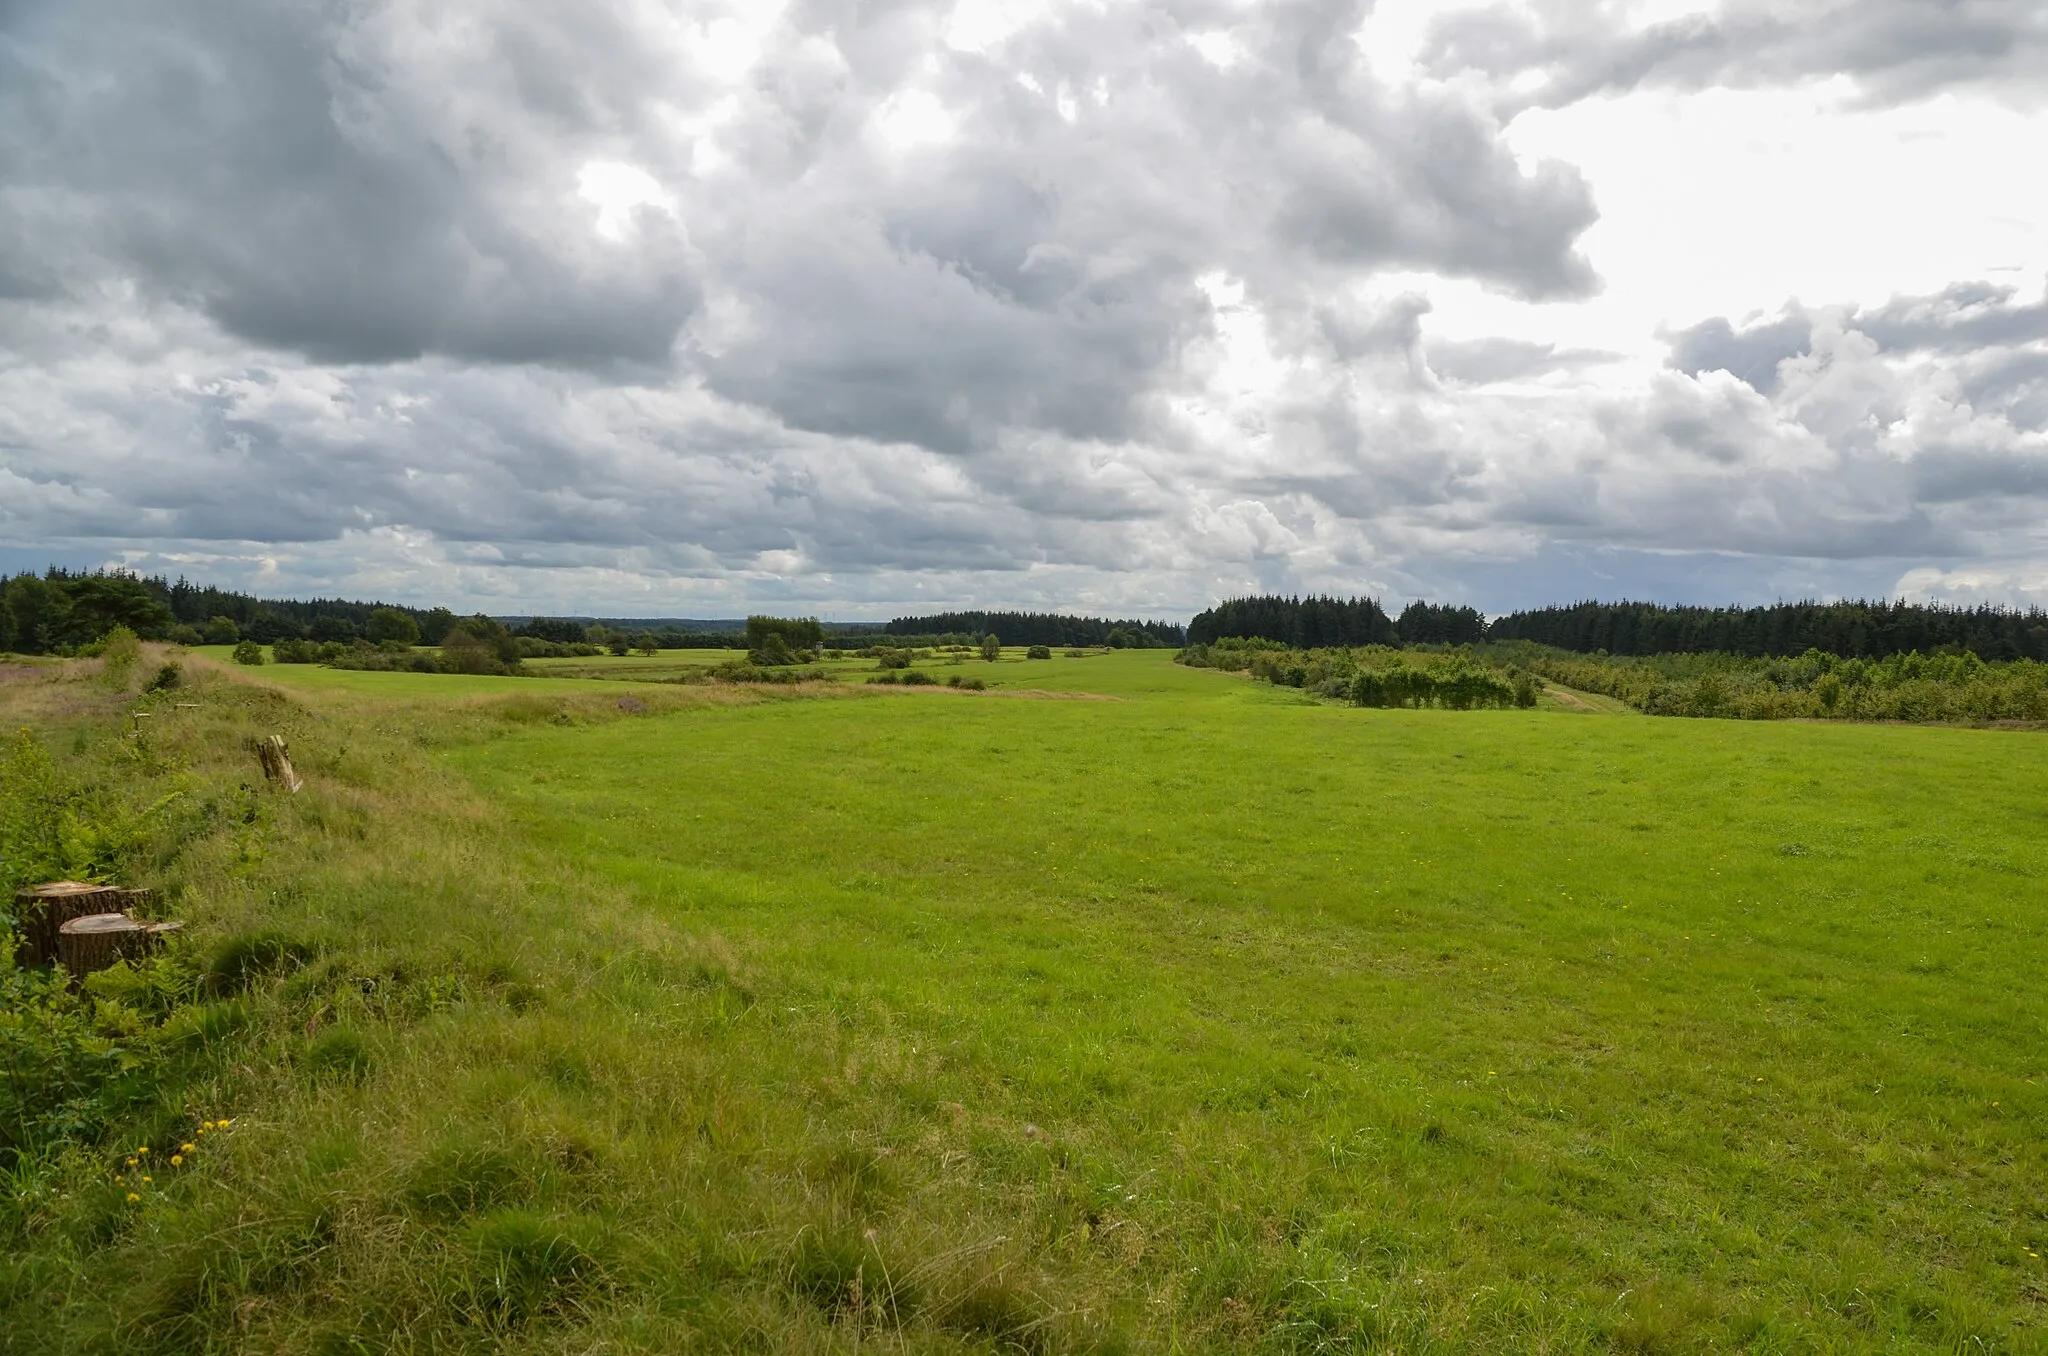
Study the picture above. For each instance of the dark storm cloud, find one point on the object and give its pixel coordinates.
(1895, 49)
(269, 164)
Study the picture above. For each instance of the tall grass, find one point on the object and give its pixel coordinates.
(1209, 1018)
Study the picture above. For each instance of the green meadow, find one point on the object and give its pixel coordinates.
(1118, 1007)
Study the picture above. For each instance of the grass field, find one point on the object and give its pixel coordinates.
(1121, 1007)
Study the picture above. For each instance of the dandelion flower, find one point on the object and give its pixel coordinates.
(133, 1197)
(177, 1160)
(143, 1150)
(147, 1178)
(186, 1148)
(131, 1160)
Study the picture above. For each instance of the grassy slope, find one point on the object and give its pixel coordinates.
(1208, 1018)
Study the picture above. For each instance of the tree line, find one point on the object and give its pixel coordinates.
(1321, 622)
(1043, 628)
(1853, 629)
(62, 610)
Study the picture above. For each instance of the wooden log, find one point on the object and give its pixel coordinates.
(97, 940)
(40, 910)
(277, 763)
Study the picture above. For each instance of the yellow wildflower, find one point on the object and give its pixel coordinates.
(186, 1148)
(148, 1178)
(131, 1160)
(133, 1197)
(177, 1160)
(143, 1150)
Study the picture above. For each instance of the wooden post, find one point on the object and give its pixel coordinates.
(41, 910)
(277, 763)
(97, 940)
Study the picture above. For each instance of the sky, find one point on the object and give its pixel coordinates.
(862, 308)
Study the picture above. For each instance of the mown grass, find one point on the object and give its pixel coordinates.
(1204, 1018)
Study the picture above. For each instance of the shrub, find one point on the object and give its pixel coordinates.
(222, 631)
(886, 658)
(250, 653)
(64, 1079)
(744, 672)
(33, 818)
(1039, 652)
(991, 648)
(118, 653)
(164, 679)
(918, 678)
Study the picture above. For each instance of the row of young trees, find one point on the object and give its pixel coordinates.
(1815, 685)
(1374, 675)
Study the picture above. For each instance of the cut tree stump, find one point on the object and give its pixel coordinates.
(40, 910)
(97, 940)
(142, 899)
(277, 763)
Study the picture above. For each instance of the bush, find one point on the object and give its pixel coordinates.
(1039, 652)
(891, 659)
(34, 816)
(250, 653)
(742, 672)
(222, 631)
(64, 1079)
(118, 653)
(991, 648)
(918, 678)
(164, 679)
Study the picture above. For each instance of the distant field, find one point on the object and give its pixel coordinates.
(1206, 1017)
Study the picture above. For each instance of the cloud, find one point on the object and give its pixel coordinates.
(860, 308)
(1559, 52)
(355, 186)
(1483, 362)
